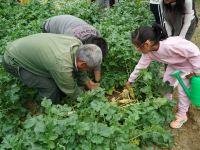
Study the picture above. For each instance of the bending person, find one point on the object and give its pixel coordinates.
(180, 17)
(53, 64)
(73, 26)
(178, 53)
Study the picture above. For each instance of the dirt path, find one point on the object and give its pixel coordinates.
(188, 137)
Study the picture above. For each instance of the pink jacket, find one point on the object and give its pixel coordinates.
(177, 52)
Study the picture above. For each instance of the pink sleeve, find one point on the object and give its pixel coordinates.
(143, 63)
(195, 61)
(191, 53)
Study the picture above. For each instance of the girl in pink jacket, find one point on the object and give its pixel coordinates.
(176, 52)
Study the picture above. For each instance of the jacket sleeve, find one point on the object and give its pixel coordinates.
(67, 84)
(188, 17)
(194, 59)
(168, 28)
(143, 63)
(166, 24)
(82, 77)
(189, 51)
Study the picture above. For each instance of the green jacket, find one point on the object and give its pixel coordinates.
(51, 56)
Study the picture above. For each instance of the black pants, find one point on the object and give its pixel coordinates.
(112, 2)
(156, 10)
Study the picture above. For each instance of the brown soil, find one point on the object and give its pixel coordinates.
(188, 137)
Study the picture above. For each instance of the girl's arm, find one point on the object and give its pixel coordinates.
(143, 63)
(189, 16)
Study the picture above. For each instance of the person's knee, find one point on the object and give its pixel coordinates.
(52, 92)
(50, 87)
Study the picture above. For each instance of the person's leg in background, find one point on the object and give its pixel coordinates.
(112, 2)
(156, 10)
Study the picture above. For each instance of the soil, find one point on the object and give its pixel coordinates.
(188, 137)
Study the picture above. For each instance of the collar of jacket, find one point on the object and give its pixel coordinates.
(73, 56)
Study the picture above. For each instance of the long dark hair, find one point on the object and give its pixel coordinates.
(155, 33)
(179, 6)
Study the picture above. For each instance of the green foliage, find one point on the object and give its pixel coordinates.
(114, 24)
(22, 20)
(116, 27)
(18, 21)
(149, 83)
(9, 106)
(9, 92)
(94, 124)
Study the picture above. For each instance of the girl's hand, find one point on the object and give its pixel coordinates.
(188, 76)
(128, 85)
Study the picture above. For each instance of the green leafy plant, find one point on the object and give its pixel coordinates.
(95, 124)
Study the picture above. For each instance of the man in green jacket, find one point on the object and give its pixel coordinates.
(73, 26)
(53, 64)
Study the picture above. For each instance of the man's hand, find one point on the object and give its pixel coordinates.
(91, 85)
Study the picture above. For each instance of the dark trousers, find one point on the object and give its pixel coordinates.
(46, 86)
(112, 2)
(156, 10)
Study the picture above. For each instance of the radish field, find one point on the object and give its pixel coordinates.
(101, 119)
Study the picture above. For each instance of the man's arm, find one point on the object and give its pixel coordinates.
(83, 79)
(66, 83)
(97, 73)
